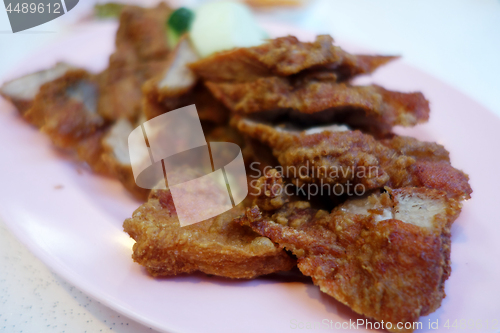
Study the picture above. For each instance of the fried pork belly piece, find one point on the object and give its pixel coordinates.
(337, 155)
(141, 32)
(177, 87)
(22, 91)
(432, 168)
(321, 100)
(217, 246)
(285, 56)
(177, 78)
(66, 108)
(386, 256)
(115, 156)
(306, 82)
(141, 52)
(320, 155)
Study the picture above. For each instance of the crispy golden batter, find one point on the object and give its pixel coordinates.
(306, 82)
(432, 167)
(385, 256)
(321, 157)
(338, 155)
(217, 246)
(285, 56)
(321, 99)
(420, 150)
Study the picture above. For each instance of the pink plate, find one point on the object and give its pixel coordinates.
(77, 229)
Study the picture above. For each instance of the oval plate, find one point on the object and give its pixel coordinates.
(77, 230)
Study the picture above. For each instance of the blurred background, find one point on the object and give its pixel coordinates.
(457, 41)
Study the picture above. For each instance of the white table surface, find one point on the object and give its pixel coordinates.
(456, 40)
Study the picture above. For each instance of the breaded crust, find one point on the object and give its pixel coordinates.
(217, 246)
(315, 98)
(385, 256)
(285, 56)
(339, 156)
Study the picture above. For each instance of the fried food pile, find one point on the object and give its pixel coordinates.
(386, 256)
(396, 162)
(292, 108)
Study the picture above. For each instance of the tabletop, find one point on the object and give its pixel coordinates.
(458, 41)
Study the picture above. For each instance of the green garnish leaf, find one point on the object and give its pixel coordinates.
(180, 20)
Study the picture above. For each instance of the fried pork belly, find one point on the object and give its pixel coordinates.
(115, 156)
(217, 246)
(321, 100)
(141, 52)
(307, 83)
(386, 256)
(141, 33)
(177, 78)
(337, 155)
(285, 56)
(22, 91)
(66, 108)
(431, 169)
(177, 87)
